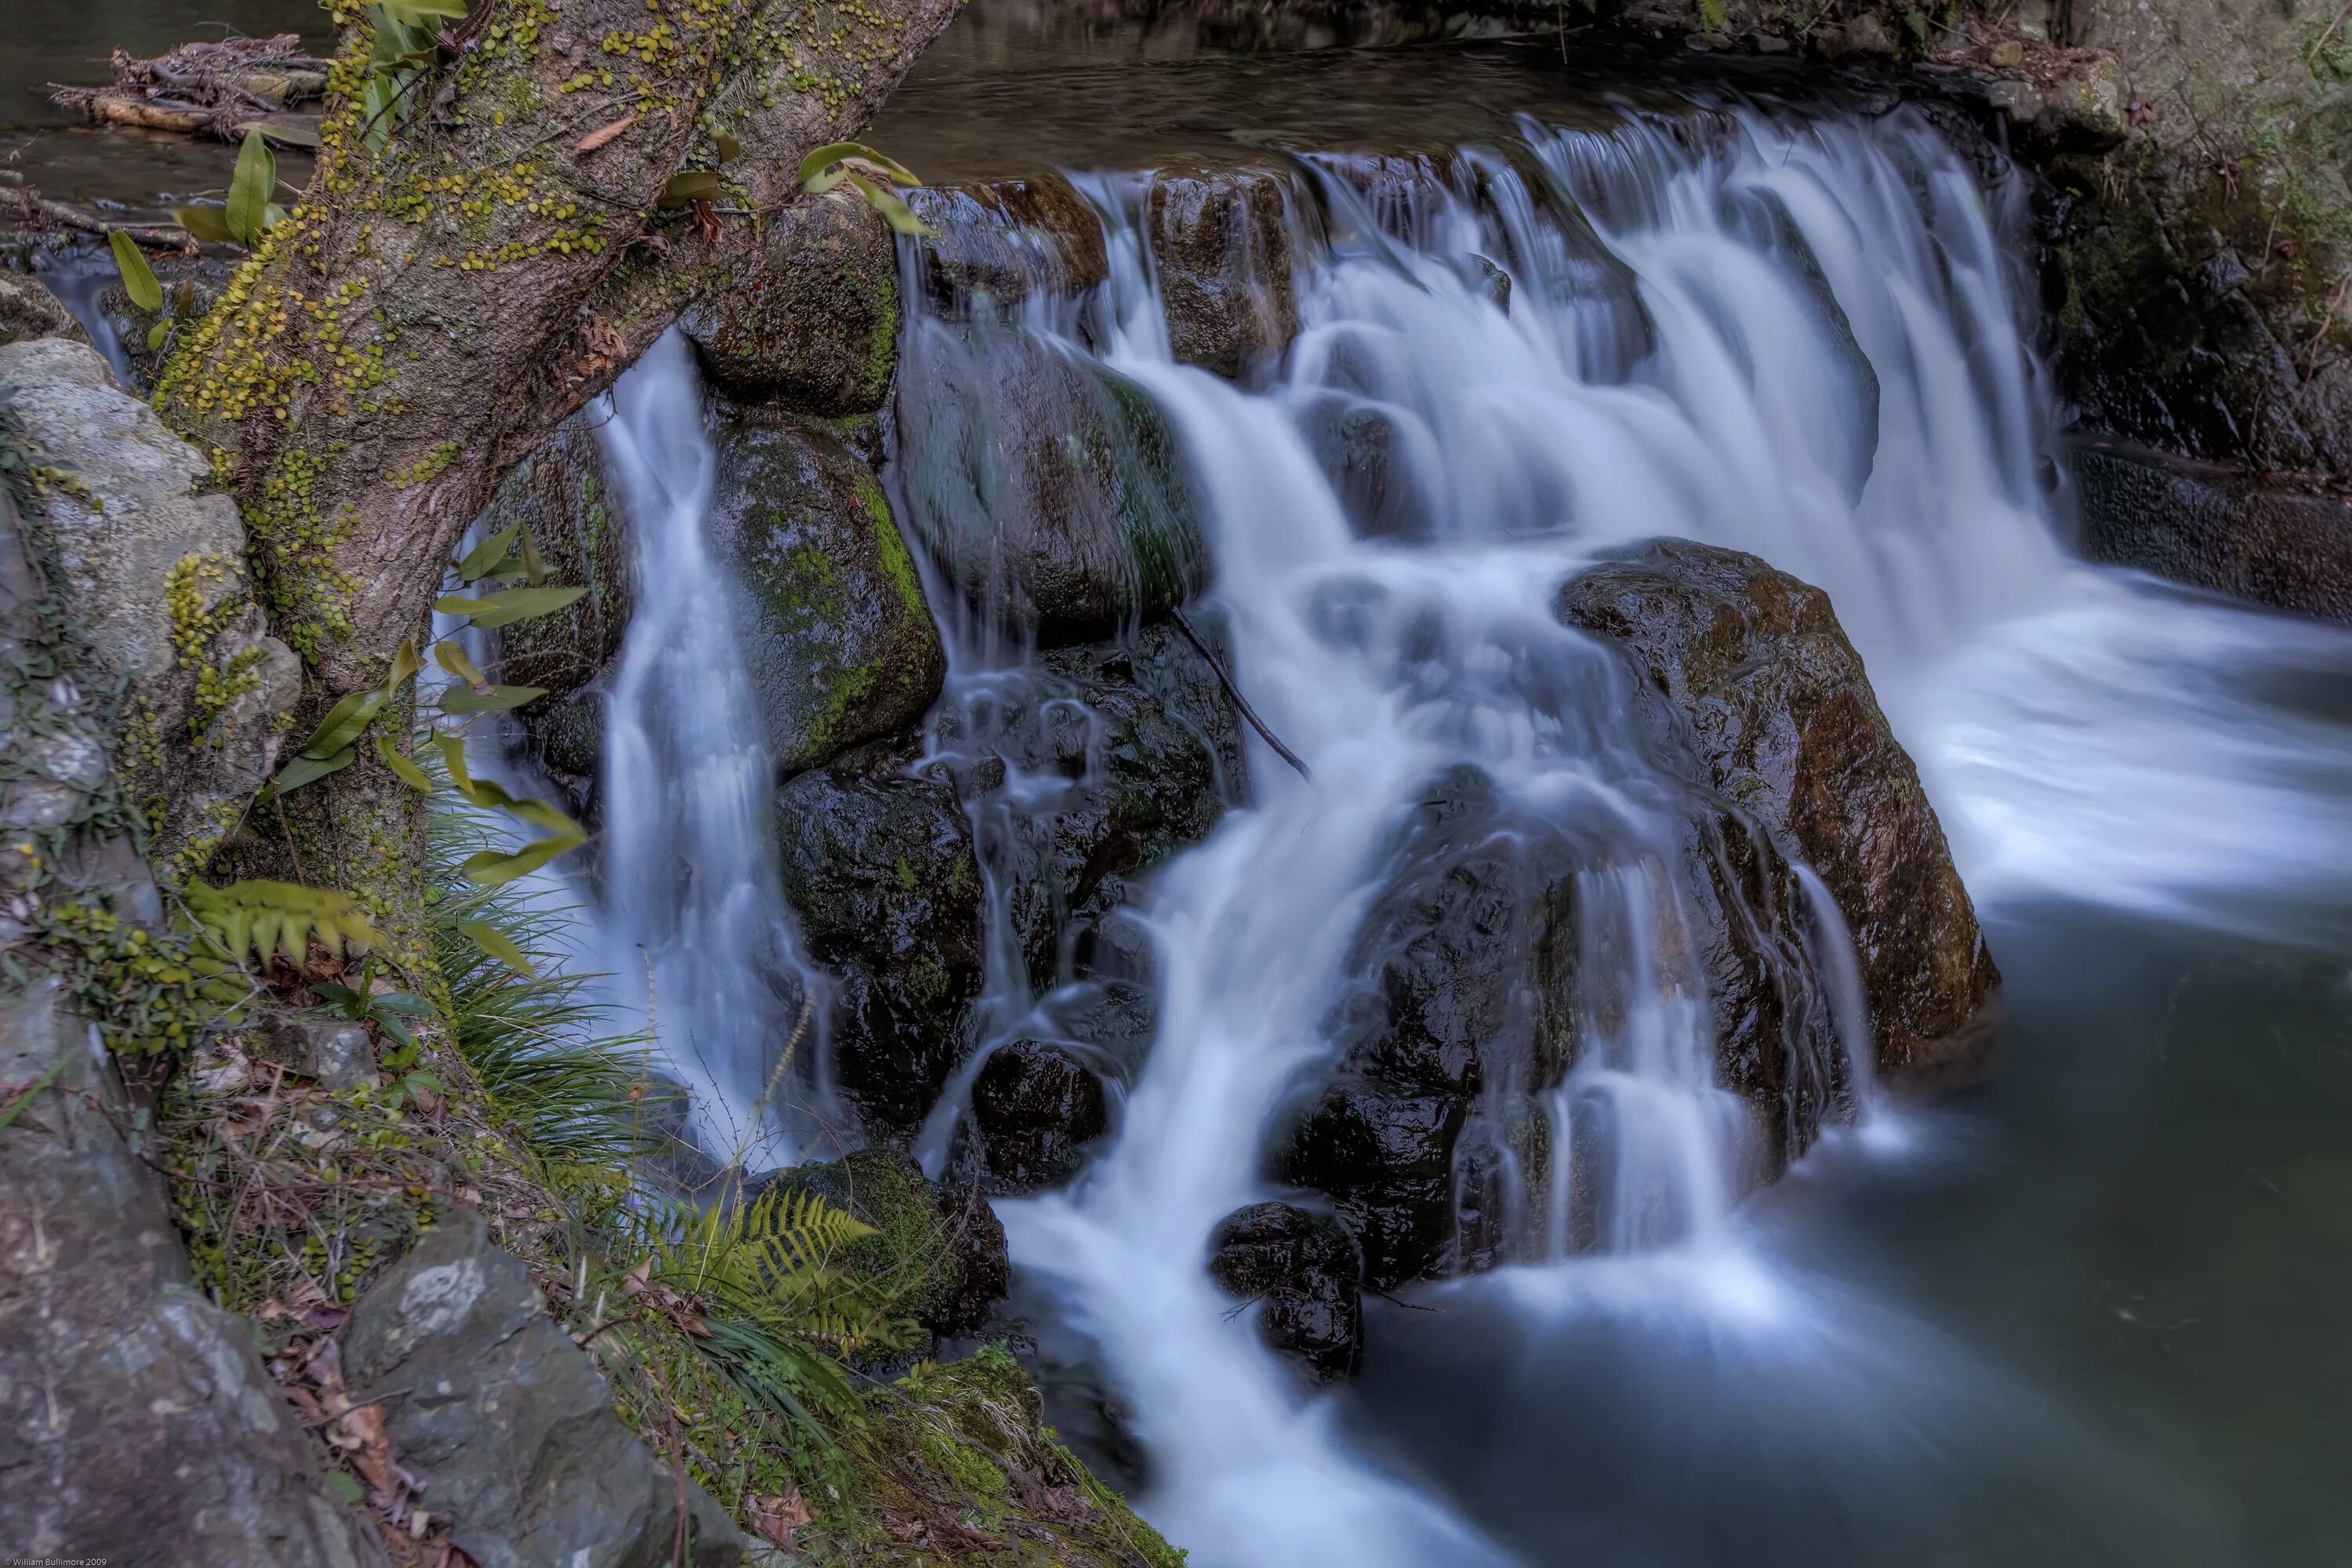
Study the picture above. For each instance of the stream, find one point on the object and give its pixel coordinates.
(2083, 1310)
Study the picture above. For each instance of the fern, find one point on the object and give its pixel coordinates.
(280, 918)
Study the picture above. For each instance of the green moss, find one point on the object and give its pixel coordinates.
(898, 564)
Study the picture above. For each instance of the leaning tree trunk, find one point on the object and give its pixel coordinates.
(442, 297)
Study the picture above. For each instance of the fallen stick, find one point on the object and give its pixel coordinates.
(1240, 702)
(33, 207)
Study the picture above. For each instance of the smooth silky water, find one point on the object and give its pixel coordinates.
(2079, 1314)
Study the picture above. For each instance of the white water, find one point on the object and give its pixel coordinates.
(691, 897)
(2070, 723)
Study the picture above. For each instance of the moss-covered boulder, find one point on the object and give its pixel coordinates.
(937, 1253)
(877, 866)
(560, 495)
(957, 1465)
(836, 634)
(813, 326)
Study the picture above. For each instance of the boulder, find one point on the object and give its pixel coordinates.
(876, 863)
(29, 310)
(812, 325)
(507, 1426)
(561, 496)
(1221, 244)
(155, 574)
(1782, 719)
(838, 636)
(1370, 450)
(1302, 1270)
(997, 243)
(137, 1425)
(1048, 489)
(1036, 1106)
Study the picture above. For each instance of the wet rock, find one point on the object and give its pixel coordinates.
(838, 640)
(2217, 528)
(1006, 238)
(1302, 1269)
(156, 576)
(937, 1249)
(1036, 1106)
(1049, 490)
(877, 864)
(29, 310)
(136, 1421)
(1373, 453)
(507, 1424)
(1783, 719)
(1221, 248)
(561, 496)
(813, 326)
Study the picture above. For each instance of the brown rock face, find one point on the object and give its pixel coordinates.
(1221, 242)
(1783, 719)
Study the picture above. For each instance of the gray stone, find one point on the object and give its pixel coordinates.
(155, 575)
(1221, 248)
(337, 1054)
(29, 310)
(2215, 528)
(136, 1422)
(507, 1424)
(1303, 1272)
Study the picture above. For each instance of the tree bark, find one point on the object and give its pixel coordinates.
(435, 305)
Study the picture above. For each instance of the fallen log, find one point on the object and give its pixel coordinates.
(210, 89)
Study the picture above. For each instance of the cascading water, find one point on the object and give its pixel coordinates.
(691, 893)
(1794, 338)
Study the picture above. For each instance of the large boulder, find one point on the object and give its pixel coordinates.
(137, 1425)
(877, 866)
(1035, 1108)
(995, 244)
(1221, 246)
(1048, 489)
(811, 325)
(836, 634)
(1302, 1270)
(507, 1426)
(155, 574)
(1782, 718)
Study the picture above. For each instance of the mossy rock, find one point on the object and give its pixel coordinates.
(813, 326)
(560, 494)
(836, 634)
(937, 1253)
(957, 1465)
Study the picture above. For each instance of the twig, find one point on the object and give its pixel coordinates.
(1240, 702)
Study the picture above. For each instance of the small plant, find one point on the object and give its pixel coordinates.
(871, 175)
(277, 919)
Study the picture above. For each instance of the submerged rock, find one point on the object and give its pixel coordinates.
(1221, 248)
(877, 864)
(1007, 238)
(838, 641)
(1302, 1270)
(507, 1426)
(1048, 489)
(1782, 717)
(155, 575)
(1036, 1106)
(813, 327)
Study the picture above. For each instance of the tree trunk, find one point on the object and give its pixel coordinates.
(435, 303)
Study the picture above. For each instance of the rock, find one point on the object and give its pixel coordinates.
(561, 496)
(136, 1422)
(1220, 243)
(2217, 528)
(1302, 1269)
(877, 864)
(337, 1054)
(1867, 35)
(29, 310)
(838, 639)
(1048, 489)
(156, 576)
(1375, 452)
(1784, 722)
(813, 327)
(1005, 239)
(508, 1425)
(938, 1250)
(1036, 1106)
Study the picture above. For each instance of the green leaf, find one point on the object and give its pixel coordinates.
(250, 190)
(490, 699)
(344, 724)
(534, 565)
(452, 657)
(494, 941)
(689, 185)
(487, 556)
(503, 609)
(289, 132)
(420, 13)
(730, 149)
(348, 1492)
(408, 773)
(407, 1002)
(310, 770)
(155, 335)
(24, 1097)
(492, 869)
(895, 213)
(824, 157)
(206, 225)
(394, 1029)
(453, 754)
(341, 996)
(138, 278)
(405, 663)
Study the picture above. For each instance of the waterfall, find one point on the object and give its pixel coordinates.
(691, 896)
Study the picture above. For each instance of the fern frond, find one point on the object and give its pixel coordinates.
(269, 919)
